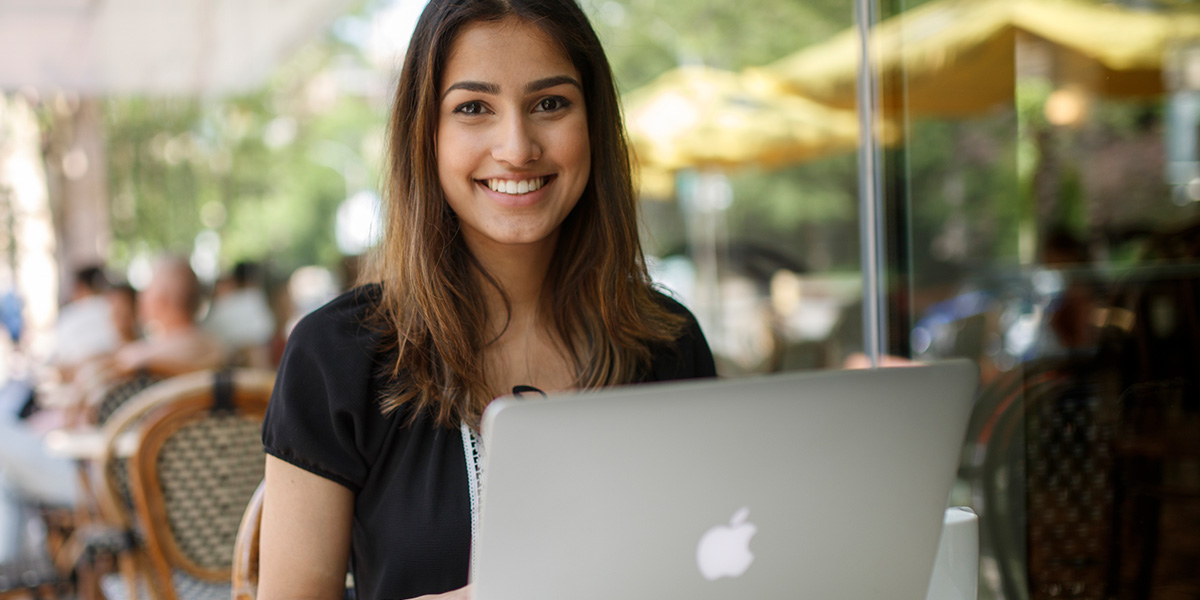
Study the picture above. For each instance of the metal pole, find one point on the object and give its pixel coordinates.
(870, 178)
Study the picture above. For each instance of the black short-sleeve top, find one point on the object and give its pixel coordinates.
(411, 532)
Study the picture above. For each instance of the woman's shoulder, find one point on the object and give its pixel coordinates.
(324, 412)
(347, 318)
(335, 347)
(673, 306)
(689, 356)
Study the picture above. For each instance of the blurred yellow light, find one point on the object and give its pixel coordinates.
(1066, 107)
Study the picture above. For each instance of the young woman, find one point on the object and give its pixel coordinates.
(511, 258)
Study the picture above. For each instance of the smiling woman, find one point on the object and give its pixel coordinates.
(512, 139)
(510, 258)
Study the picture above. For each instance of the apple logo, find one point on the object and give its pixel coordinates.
(724, 550)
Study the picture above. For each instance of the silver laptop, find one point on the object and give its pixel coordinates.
(816, 485)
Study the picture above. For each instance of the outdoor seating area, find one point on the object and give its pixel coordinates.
(780, 186)
(159, 516)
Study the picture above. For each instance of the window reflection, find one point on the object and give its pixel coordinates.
(1055, 241)
(748, 189)
(1041, 185)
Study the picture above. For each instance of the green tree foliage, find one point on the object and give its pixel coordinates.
(643, 38)
(263, 170)
(267, 170)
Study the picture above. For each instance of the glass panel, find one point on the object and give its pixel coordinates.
(1043, 220)
(749, 191)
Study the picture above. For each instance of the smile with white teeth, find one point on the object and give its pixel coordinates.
(509, 186)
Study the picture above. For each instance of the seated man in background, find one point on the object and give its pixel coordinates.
(173, 344)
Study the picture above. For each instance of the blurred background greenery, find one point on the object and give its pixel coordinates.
(266, 171)
(262, 175)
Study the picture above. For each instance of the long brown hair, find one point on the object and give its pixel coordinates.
(600, 300)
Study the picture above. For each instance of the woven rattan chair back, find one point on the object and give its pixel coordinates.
(112, 394)
(110, 479)
(245, 549)
(198, 462)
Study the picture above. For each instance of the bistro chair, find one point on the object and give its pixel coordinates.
(1039, 459)
(105, 397)
(197, 460)
(101, 538)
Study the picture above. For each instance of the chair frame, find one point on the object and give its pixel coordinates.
(245, 548)
(193, 388)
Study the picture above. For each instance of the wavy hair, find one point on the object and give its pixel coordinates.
(599, 301)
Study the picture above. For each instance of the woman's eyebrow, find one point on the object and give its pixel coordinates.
(549, 82)
(482, 87)
(479, 87)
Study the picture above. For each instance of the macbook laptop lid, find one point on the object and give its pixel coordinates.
(800, 485)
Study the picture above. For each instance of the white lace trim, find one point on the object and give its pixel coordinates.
(473, 449)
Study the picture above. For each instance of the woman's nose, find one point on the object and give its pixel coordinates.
(516, 142)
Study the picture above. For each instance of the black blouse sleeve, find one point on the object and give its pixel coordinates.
(320, 415)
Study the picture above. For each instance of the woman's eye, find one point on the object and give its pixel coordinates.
(469, 108)
(552, 104)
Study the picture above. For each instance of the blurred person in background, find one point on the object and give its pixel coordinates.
(282, 308)
(85, 331)
(122, 298)
(1070, 327)
(86, 327)
(241, 316)
(174, 343)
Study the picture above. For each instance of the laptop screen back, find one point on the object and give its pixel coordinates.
(820, 485)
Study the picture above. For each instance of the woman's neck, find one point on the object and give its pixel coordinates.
(524, 350)
(520, 270)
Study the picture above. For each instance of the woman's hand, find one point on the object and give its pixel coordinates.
(858, 360)
(463, 593)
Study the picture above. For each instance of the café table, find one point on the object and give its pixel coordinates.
(87, 443)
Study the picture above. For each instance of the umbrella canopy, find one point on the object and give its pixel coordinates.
(158, 47)
(957, 57)
(701, 117)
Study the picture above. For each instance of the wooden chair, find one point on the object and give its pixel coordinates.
(105, 397)
(197, 460)
(245, 549)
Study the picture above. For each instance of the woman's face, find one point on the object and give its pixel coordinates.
(512, 142)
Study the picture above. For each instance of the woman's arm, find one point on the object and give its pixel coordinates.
(305, 539)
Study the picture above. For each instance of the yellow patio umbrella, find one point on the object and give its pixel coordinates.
(701, 117)
(957, 57)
